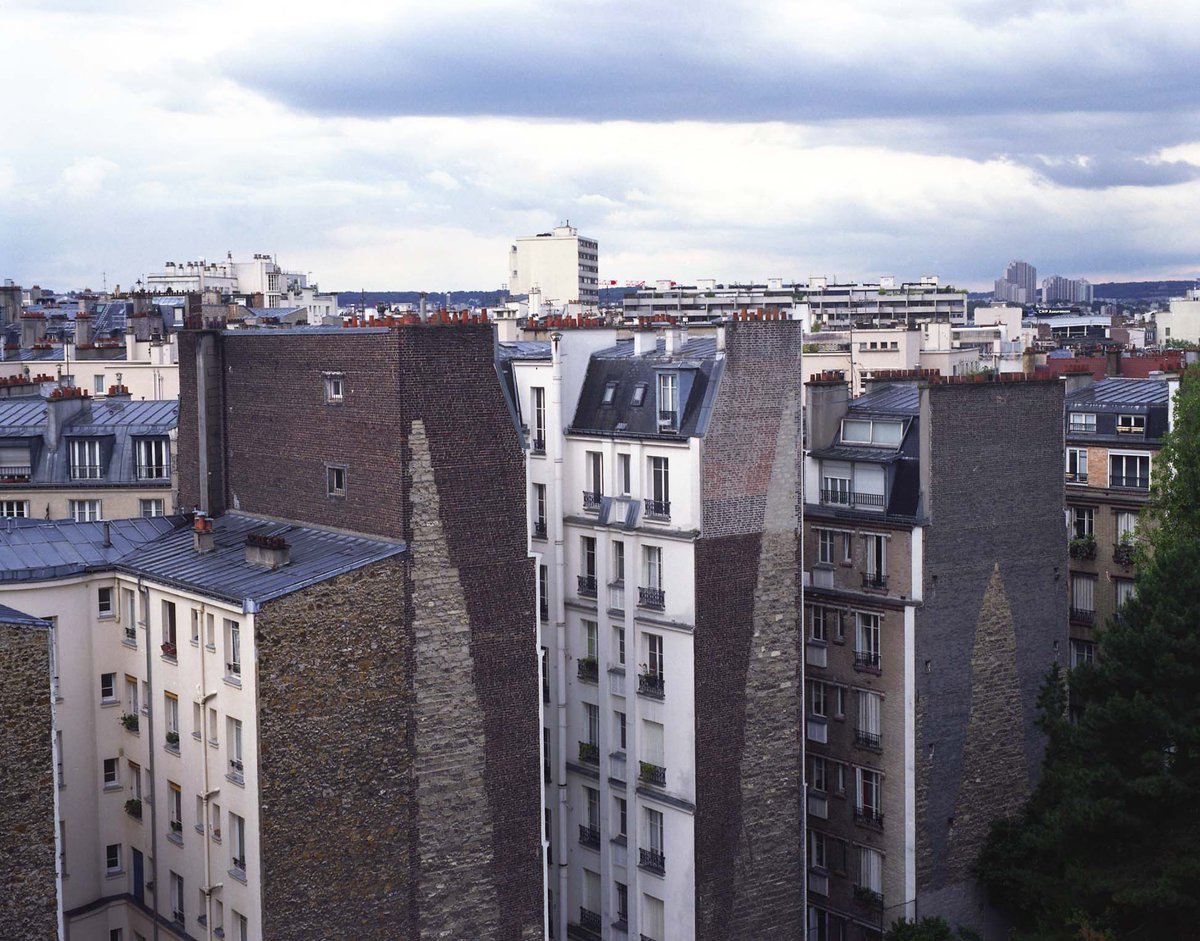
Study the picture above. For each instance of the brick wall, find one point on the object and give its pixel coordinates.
(27, 896)
(995, 607)
(748, 652)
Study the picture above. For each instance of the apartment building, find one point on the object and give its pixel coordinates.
(1018, 284)
(664, 501)
(561, 266)
(1114, 429)
(65, 456)
(935, 604)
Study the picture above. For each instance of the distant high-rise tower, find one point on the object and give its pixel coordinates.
(1057, 289)
(1018, 285)
(562, 264)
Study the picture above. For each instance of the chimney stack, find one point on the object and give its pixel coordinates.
(202, 534)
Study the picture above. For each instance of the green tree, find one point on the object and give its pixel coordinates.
(928, 929)
(1108, 845)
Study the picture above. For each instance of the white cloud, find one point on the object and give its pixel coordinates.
(85, 176)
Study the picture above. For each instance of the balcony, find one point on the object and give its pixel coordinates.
(868, 817)
(655, 599)
(668, 420)
(86, 471)
(170, 651)
(538, 444)
(589, 670)
(1123, 553)
(15, 473)
(867, 661)
(616, 595)
(652, 861)
(153, 472)
(1083, 615)
(589, 920)
(591, 501)
(873, 581)
(1082, 547)
(652, 685)
(868, 897)
(866, 739)
(1129, 483)
(652, 774)
(587, 586)
(589, 836)
(658, 509)
(1076, 478)
(851, 498)
(539, 529)
(589, 753)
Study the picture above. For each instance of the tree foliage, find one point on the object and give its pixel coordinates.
(928, 929)
(1108, 845)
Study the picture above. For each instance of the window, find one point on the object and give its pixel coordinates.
(177, 912)
(847, 548)
(175, 807)
(152, 508)
(129, 605)
(591, 721)
(241, 927)
(618, 562)
(654, 655)
(825, 546)
(85, 459)
(1077, 465)
(1129, 471)
(659, 503)
(817, 858)
(539, 419)
(592, 804)
(197, 720)
(876, 558)
(594, 468)
(1083, 594)
(870, 869)
(1126, 525)
(835, 484)
(104, 601)
(879, 433)
(653, 920)
(624, 482)
(866, 640)
(84, 511)
(131, 696)
(817, 626)
(544, 592)
(168, 629)
(622, 902)
(112, 858)
(610, 391)
(590, 640)
(1125, 590)
(619, 729)
(639, 394)
(335, 480)
(171, 708)
(621, 816)
(654, 745)
(817, 699)
(539, 511)
(233, 649)
(153, 460)
(816, 774)
(839, 701)
(14, 508)
(654, 830)
(112, 772)
(60, 771)
(668, 400)
(98, 385)
(335, 388)
(135, 780)
(866, 732)
(1082, 422)
(867, 798)
(195, 635)
(1082, 651)
(1083, 519)
(236, 765)
(619, 644)
(652, 569)
(237, 843)
(588, 552)
(1131, 425)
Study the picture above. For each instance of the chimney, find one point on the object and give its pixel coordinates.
(33, 328)
(269, 551)
(64, 403)
(644, 341)
(672, 340)
(202, 534)
(828, 403)
(83, 329)
(1074, 381)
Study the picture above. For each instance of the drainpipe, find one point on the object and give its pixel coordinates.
(144, 598)
(554, 440)
(207, 791)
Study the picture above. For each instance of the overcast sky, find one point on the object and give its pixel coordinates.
(403, 145)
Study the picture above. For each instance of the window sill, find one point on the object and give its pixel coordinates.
(238, 779)
(171, 750)
(196, 736)
(104, 617)
(131, 644)
(195, 642)
(109, 703)
(113, 787)
(234, 681)
(200, 828)
(213, 743)
(211, 648)
(171, 660)
(239, 875)
(175, 838)
(114, 874)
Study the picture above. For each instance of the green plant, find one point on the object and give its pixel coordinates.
(130, 721)
(172, 738)
(133, 807)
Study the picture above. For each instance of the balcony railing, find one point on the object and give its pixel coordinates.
(668, 419)
(589, 836)
(868, 897)
(153, 471)
(874, 580)
(1082, 547)
(587, 585)
(589, 752)
(86, 471)
(1076, 478)
(1083, 615)
(868, 739)
(589, 920)
(868, 816)
(588, 669)
(538, 445)
(1130, 483)
(866, 660)
(11, 473)
(539, 529)
(653, 598)
(1123, 553)
(852, 498)
(591, 501)
(652, 774)
(653, 861)
(652, 685)
(658, 509)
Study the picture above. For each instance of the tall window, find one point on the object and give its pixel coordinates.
(655, 663)
(1077, 465)
(654, 830)
(237, 845)
(171, 708)
(618, 562)
(591, 716)
(85, 459)
(867, 730)
(817, 858)
(233, 648)
(168, 629)
(653, 919)
(1083, 520)
(1126, 524)
(539, 419)
(825, 546)
(592, 800)
(131, 695)
(594, 465)
(539, 511)
(622, 901)
(867, 798)
(653, 566)
(1129, 471)
(624, 483)
(668, 400)
(622, 815)
(175, 806)
(153, 458)
(866, 640)
(619, 644)
(818, 629)
(659, 502)
(1083, 595)
(590, 639)
(177, 912)
(237, 767)
(876, 549)
(818, 704)
(588, 553)
(544, 592)
(870, 869)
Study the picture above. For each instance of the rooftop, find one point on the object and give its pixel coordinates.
(35, 550)
(1110, 393)
(13, 616)
(904, 398)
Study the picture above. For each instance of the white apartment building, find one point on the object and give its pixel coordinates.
(260, 275)
(619, 508)
(154, 663)
(561, 265)
(1182, 321)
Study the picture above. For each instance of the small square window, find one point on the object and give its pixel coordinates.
(335, 481)
(335, 388)
(151, 508)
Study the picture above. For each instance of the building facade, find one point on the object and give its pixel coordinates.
(664, 511)
(561, 265)
(926, 646)
(1018, 285)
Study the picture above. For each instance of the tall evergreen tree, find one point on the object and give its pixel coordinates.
(1108, 846)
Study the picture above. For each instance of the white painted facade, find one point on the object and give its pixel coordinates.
(561, 264)
(1182, 321)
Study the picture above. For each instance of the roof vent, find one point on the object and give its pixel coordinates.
(266, 550)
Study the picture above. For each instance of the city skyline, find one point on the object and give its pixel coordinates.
(392, 147)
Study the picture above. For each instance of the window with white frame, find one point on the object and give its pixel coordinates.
(1125, 590)
(169, 637)
(108, 687)
(654, 743)
(654, 829)
(131, 695)
(112, 773)
(171, 710)
(177, 910)
(84, 511)
(867, 799)
(153, 458)
(1082, 422)
(1131, 425)
(175, 806)
(98, 384)
(590, 639)
(867, 728)
(817, 858)
(825, 546)
(591, 720)
(539, 511)
(104, 601)
(1077, 465)
(618, 562)
(619, 644)
(237, 843)
(1083, 595)
(335, 388)
(1129, 471)
(621, 815)
(237, 767)
(538, 395)
(619, 729)
(624, 475)
(594, 469)
(880, 433)
(1083, 521)
(151, 507)
(591, 891)
(659, 502)
(655, 662)
(18, 509)
(653, 918)
(610, 392)
(85, 459)
(592, 807)
(112, 858)
(241, 926)
(866, 640)
(1126, 525)
(875, 546)
(652, 595)
(817, 625)
(668, 400)
(336, 480)
(233, 648)
(835, 483)
(870, 869)
(1082, 651)
(622, 902)
(817, 774)
(818, 699)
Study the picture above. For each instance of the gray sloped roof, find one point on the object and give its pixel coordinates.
(1123, 393)
(13, 616)
(35, 550)
(900, 397)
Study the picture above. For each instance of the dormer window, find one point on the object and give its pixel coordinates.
(883, 434)
(85, 460)
(668, 400)
(639, 394)
(153, 461)
(610, 393)
(15, 463)
(1131, 425)
(335, 388)
(1083, 422)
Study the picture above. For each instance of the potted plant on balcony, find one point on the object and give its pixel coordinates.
(133, 807)
(1123, 550)
(173, 739)
(130, 721)
(1083, 547)
(176, 826)
(169, 650)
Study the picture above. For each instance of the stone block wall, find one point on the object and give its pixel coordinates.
(28, 904)
(748, 648)
(994, 619)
